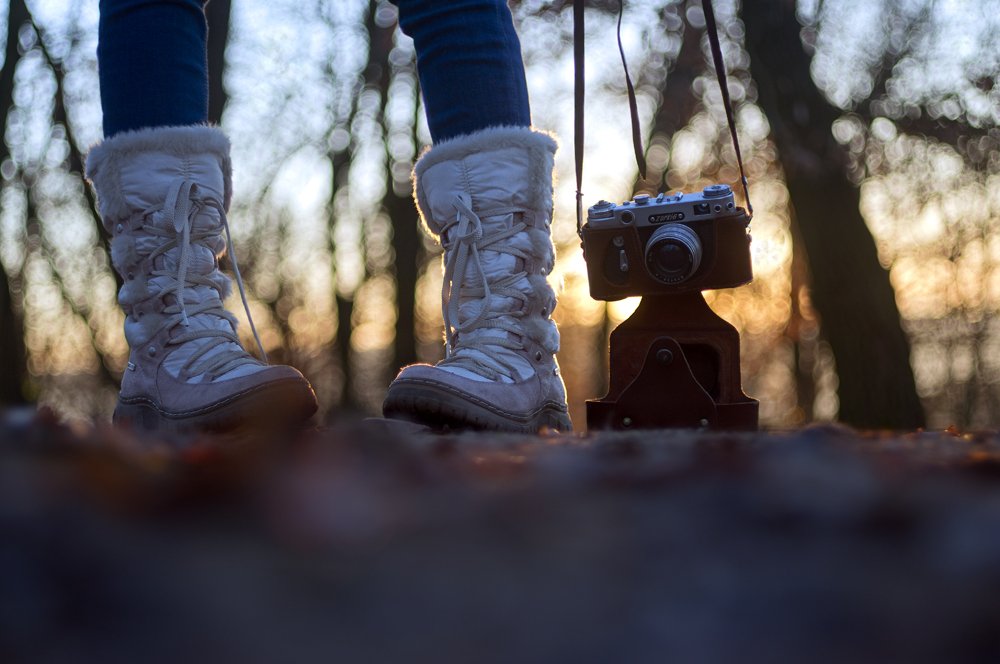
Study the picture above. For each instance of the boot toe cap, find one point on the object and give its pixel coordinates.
(439, 398)
(278, 394)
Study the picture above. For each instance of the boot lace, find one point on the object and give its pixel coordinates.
(462, 240)
(183, 205)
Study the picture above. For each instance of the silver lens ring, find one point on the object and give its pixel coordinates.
(673, 254)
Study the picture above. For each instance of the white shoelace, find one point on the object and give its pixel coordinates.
(183, 204)
(463, 239)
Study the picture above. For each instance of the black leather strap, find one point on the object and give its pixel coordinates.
(720, 71)
(578, 98)
(578, 90)
(640, 156)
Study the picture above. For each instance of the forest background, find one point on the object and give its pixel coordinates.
(869, 128)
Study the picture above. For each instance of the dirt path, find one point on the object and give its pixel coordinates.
(369, 543)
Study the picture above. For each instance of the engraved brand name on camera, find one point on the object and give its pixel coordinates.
(662, 218)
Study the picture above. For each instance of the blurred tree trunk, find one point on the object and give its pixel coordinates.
(407, 247)
(340, 163)
(13, 368)
(345, 324)
(850, 289)
(340, 166)
(802, 328)
(399, 206)
(217, 12)
(13, 364)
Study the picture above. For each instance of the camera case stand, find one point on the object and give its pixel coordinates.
(674, 363)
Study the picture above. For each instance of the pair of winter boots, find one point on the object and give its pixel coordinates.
(163, 195)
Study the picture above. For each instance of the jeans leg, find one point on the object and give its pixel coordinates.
(152, 63)
(469, 64)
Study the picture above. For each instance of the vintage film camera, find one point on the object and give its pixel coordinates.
(674, 362)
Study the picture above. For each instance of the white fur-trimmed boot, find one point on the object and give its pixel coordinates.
(163, 195)
(487, 197)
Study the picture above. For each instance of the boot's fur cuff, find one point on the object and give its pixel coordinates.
(106, 160)
(539, 145)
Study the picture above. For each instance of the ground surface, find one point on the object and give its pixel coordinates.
(368, 543)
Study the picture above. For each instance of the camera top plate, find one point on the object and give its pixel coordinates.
(714, 201)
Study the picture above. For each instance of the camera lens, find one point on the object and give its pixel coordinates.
(673, 254)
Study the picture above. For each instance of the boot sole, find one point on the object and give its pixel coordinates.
(442, 409)
(270, 406)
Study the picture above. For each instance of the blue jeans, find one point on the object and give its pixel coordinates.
(469, 64)
(153, 70)
(152, 63)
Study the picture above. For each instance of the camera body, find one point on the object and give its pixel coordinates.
(667, 244)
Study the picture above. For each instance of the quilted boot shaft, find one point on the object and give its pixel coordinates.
(163, 195)
(487, 197)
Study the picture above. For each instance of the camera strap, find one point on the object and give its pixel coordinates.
(720, 71)
(578, 96)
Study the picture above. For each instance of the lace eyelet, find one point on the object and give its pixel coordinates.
(538, 356)
(119, 228)
(151, 351)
